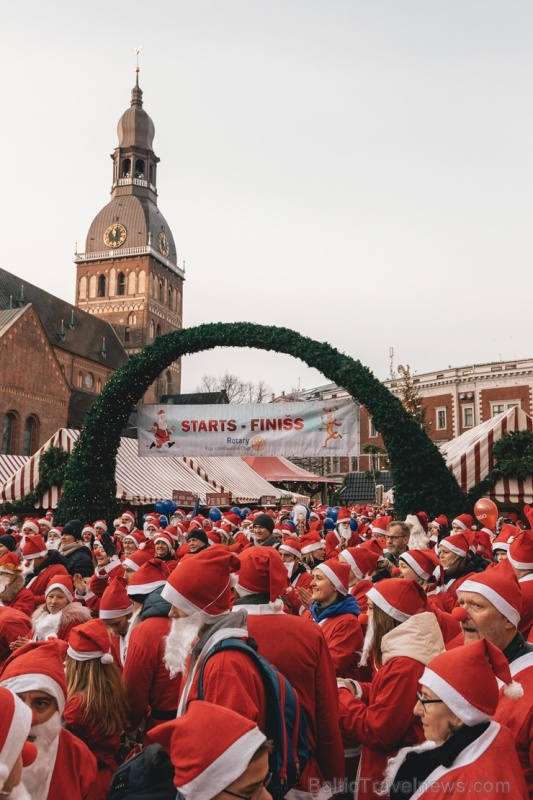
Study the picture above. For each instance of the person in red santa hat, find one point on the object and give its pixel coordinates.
(164, 548)
(12, 591)
(344, 535)
(58, 614)
(234, 763)
(403, 637)
(465, 753)
(336, 611)
(116, 611)
(64, 767)
(15, 751)
(152, 692)
(299, 575)
(200, 592)
(298, 649)
(313, 549)
(14, 625)
(520, 555)
(455, 554)
(364, 563)
(96, 698)
(44, 564)
(490, 608)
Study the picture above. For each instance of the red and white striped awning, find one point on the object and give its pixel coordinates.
(143, 481)
(510, 490)
(9, 465)
(470, 455)
(233, 475)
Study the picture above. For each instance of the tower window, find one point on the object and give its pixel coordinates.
(152, 329)
(169, 381)
(158, 330)
(139, 168)
(121, 283)
(8, 433)
(126, 168)
(79, 380)
(30, 436)
(101, 286)
(160, 291)
(126, 334)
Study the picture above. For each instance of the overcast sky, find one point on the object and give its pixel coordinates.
(358, 170)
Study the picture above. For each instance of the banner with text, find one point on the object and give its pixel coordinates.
(318, 428)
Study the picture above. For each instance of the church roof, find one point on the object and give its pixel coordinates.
(84, 339)
(135, 127)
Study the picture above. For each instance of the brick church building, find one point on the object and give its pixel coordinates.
(55, 357)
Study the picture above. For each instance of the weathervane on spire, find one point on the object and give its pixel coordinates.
(137, 52)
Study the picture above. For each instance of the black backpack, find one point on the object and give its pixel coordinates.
(147, 776)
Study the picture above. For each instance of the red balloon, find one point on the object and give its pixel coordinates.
(486, 512)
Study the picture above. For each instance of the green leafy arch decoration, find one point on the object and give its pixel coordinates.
(421, 478)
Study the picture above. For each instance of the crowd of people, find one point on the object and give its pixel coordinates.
(306, 652)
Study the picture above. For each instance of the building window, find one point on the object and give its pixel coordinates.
(498, 407)
(152, 329)
(441, 418)
(158, 330)
(132, 282)
(372, 432)
(335, 464)
(139, 169)
(82, 294)
(126, 334)
(468, 416)
(126, 168)
(101, 286)
(121, 283)
(98, 385)
(169, 381)
(92, 286)
(8, 433)
(30, 436)
(160, 291)
(79, 380)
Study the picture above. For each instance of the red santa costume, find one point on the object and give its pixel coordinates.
(208, 763)
(160, 430)
(520, 556)
(15, 726)
(13, 625)
(299, 575)
(381, 718)
(458, 543)
(297, 648)
(478, 758)
(152, 693)
(201, 588)
(58, 625)
(12, 591)
(338, 621)
(343, 536)
(90, 641)
(64, 767)
(35, 547)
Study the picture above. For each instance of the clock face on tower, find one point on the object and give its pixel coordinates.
(164, 247)
(115, 235)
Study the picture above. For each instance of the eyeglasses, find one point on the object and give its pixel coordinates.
(393, 538)
(425, 702)
(250, 797)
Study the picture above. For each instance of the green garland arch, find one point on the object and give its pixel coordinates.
(420, 476)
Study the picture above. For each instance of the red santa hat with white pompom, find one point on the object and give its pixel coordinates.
(90, 641)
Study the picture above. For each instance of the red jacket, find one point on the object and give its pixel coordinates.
(148, 683)
(298, 649)
(344, 639)
(38, 584)
(517, 715)
(13, 625)
(75, 772)
(103, 748)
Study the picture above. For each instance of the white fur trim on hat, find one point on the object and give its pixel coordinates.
(225, 769)
(32, 525)
(455, 701)
(350, 560)
(505, 608)
(453, 549)
(61, 588)
(14, 742)
(310, 548)
(415, 566)
(517, 564)
(378, 600)
(330, 575)
(145, 588)
(112, 613)
(175, 598)
(36, 682)
(292, 550)
(130, 564)
(105, 658)
(459, 525)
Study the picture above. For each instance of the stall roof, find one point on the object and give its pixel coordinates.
(470, 455)
(277, 469)
(232, 474)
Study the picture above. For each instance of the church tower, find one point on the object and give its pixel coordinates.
(129, 273)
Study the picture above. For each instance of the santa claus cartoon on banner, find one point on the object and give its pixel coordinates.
(161, 431)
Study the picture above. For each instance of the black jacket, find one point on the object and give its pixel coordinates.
(80, 562)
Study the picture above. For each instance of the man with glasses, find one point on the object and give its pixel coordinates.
(232, 763)
(397, 540)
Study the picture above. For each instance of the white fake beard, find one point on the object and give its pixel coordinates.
(290, 568)
(53, 544)
(5, 580)
(180, 642)
(28, 570)
(35, 777)
(46, 626)
(367, 644)
(345, 532)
